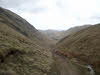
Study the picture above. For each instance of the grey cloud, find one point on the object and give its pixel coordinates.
(15, 3)
(22, 5)
(37, 10)
(59, 3)
(97, 18)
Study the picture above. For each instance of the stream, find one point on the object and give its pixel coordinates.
(91, 70)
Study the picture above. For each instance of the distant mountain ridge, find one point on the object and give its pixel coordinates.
(57, 35)
(53, 34)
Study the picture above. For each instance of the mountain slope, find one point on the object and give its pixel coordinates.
(22, 26)
(74, 29)
(21, 51)
(84, 46)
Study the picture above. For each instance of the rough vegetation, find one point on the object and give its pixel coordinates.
(83, 46)
(21, 51)
(26, 51)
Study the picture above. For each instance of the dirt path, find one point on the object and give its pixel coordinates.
(65, 67)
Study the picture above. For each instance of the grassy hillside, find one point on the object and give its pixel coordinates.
(84, 46)
(22, 26)
(21, 51)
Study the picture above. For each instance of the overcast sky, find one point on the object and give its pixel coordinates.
(55, 14)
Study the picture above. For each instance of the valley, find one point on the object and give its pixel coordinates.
(24, 50)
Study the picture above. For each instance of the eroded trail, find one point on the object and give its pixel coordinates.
(66, 67)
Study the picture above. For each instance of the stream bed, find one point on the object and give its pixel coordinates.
(91, 70)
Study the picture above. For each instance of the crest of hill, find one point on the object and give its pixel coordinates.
(22, 26)
(72, 31)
